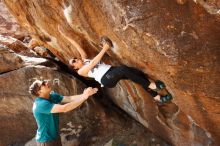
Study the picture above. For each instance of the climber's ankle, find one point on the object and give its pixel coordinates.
(157, 98)
(152, 86)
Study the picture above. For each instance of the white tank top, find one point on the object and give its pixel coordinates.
(98, 71)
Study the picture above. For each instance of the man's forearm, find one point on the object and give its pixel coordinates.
(67, 99)
(76, 101)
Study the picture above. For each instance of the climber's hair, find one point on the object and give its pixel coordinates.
(35, 87)
(71, 61)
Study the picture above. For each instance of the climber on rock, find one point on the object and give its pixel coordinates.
(46, 109)
(109, 76)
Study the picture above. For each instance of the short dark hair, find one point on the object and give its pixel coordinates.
(35, 87)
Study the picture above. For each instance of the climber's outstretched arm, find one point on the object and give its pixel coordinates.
(86, 68)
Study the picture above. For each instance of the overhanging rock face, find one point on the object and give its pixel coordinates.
(95, 122)
(175, 41)
(8, 25)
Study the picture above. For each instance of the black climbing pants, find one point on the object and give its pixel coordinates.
(115, 74)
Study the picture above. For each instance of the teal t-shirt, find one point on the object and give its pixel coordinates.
(47, 122)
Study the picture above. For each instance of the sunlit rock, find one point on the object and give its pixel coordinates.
(176, 43)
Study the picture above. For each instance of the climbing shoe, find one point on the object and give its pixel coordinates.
(105, 39)
(160, 85)
(165, 98)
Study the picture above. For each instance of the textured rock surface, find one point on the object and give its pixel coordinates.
(9, 60)
(8, 24)
(13, 43)
(91, 124)
(17, 46)
(174, 41)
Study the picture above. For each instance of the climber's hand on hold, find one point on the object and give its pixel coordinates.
(106, 46)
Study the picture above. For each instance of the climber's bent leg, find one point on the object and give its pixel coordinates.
(115, 74)
(112, 77)
(135, 75)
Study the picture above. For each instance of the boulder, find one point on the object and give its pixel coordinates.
(173, 41)
(91, 124)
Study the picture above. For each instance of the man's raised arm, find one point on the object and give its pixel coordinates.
(74, 101)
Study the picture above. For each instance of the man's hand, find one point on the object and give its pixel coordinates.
(89, 91)
(75, 101)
